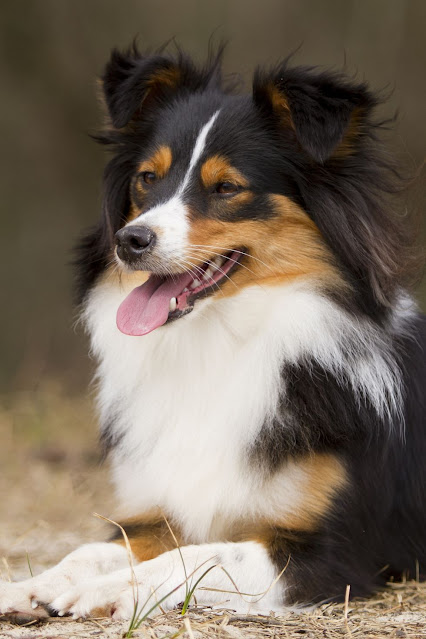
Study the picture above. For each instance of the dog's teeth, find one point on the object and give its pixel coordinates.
(218, 261)
(185, 290)
(172, 304)
(208, 273)
(195, 283)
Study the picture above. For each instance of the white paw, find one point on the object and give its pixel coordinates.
(34, 594)
(117, 596)
(111, 596)
(30, 595)
(10, 598)
(19, 598)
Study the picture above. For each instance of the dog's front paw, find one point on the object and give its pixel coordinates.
(109, 596)
(119, 595)
(32, 596)
(21, 598)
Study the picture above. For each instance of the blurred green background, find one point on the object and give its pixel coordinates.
(52, 51)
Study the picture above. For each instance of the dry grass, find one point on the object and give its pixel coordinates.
(51, 478)
(50, 484)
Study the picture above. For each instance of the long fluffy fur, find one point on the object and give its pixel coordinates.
(276, 418)
(266, 376)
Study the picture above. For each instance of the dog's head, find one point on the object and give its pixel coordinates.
(211, 191)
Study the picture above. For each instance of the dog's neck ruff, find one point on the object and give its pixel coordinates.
(204, 387)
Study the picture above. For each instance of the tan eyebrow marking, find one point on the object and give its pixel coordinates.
(159, 163)
(218, 169)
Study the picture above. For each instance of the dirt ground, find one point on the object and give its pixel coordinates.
(50, 484)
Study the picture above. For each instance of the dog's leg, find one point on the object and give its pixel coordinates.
(148, 534)
(239, 576)
(82, 564)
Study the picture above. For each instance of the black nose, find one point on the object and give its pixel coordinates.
(133, 241)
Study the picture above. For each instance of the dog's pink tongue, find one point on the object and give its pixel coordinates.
(147, 306)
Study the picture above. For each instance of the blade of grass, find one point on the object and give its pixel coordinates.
(29, 563)
(192, 589)
(7, 567)
(188, 628)
(130, 559)
(180, 554)
(138, 619)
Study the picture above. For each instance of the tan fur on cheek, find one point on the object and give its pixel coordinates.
(282, 248)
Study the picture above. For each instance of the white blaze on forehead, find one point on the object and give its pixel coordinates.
(171, 216)
(199, 147)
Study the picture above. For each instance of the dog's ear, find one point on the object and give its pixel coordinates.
(133, 82)
(324, 111)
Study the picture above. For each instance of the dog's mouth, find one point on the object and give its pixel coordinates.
(164, 299)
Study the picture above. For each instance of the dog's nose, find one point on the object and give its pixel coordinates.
(133, 241)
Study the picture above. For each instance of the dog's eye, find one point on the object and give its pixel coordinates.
(226, 188)
(148, 177)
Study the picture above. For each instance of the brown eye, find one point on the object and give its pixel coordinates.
(226, 188)
(148, 177)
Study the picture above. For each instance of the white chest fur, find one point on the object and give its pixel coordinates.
(191, 397)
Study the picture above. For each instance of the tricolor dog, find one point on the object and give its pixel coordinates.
(261, 363)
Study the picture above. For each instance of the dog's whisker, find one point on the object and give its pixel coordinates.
(194, 267)
(201, 272)
(230, 259)
(209, 252)
(210, 263)
(229, 250)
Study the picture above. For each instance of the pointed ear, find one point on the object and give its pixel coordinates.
(324, 111)
(132, 82)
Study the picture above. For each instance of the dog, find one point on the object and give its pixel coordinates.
(261, 366)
